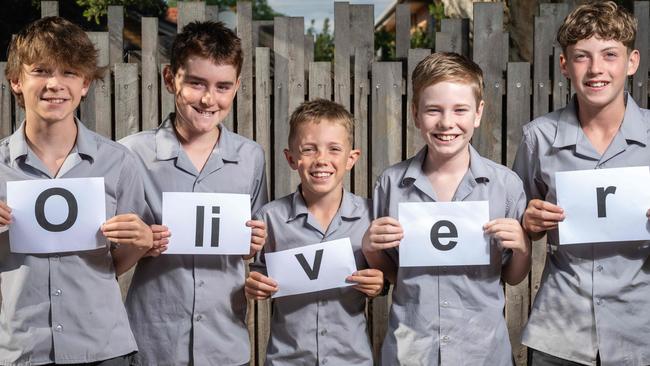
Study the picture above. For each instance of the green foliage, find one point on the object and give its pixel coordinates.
(437, 11)
(324, 42)
(385, 44)
(96, 9)
(420, 39)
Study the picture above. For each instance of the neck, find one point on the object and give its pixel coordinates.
(50, 140)
(438, 165)
(191, 138)
(323, 207)
(606, 118)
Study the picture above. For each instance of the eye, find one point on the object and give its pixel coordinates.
(611, 55)
(580, 57)
(336, 149)
(461, 110)
(307, 150)
(432, 110)
(223, 88)
(70, 73)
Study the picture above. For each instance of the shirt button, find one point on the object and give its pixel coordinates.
(599, 268)
(58, 292)
(199, 317)
(599, 301)
(59, 328)
(323, 332)
(445, 339)
(324, 361)
(55, 257)
(444, 304)
(200, 284)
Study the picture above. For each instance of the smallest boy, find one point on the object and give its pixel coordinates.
(448, 315)
(327, 326)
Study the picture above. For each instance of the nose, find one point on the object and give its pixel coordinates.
(595, 65)
(207, 98)
(54, 82)
(446, 121)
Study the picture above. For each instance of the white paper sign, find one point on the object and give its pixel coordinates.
(444, 234)
(311, 268)
(56, 215)
(604, 205)
(207, 223)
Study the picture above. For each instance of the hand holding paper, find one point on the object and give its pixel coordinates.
(128, 229)
(258, 237)
(383, 233)
(161, 236)
(5, 214)
(259, 286)
(369, 281)
(541, 216)
(509, 234)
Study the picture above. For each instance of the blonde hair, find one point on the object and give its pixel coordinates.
(602, 19)
(52, 41)
(446, 66)
(317, 110)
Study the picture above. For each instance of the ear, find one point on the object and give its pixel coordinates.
(168, 77)
(86, 86)
(633, 62)
(293, 163)
(563, 66)
(479, 114)
(353, 156)
(16, 86)
(414, 114)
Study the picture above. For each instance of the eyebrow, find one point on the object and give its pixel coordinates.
(198, 78)
(612, 48)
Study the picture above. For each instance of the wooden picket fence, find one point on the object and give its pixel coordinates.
(131, 98)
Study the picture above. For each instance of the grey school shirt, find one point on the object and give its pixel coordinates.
(67, 307)
(451, 315)
(191, 309)
(319, 328)
(594, 298)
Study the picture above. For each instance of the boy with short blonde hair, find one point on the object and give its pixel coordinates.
(326, 327)
(66, 307)
(593, 305)
(448, 315)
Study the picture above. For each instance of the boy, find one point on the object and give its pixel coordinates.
(65, 307)
(593, 304)
(191, 309)
(448, 315)
(326, 327)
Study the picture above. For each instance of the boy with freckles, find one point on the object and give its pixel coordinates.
(593, 305)
(191, 309)
(326, 327)
(448, 315)
(66, 308)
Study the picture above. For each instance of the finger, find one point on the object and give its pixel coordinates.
(387, 220)
(385, 238)
(262, 278)
(545, 206)
(256, 224)
(374, 281)
(116, 226)
(382, 246)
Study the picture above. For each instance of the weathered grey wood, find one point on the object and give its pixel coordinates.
(150, 62)
(245, 93)
(539, 261)
(189, 11)
(386, 149)
(414, 140)
(127, 115)
(402, 30)
(320, 80)
(362, 26)
(488, 36)
(49, 9)
(6, 125)
(167, 104)
(263, 88)
(444, 42)
(116, 34)
(96, 109)
(560, 83)
(212, 12)
(342, 49)
(518, 114)
(458, 30)
(289, 92)
(309, 51)
(642, 43)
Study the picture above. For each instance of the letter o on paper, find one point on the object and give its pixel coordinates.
(436, 235)
(39, 208)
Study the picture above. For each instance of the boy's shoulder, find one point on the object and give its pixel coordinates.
(500, 173)
(398, 171)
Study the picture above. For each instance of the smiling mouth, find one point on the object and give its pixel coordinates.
(596, 84)
(320, 175)
(204, 113)
(54, 100)
(445, 137)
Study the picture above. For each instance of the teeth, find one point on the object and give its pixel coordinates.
(204, 113)
(445, 137)
(55, 101)
(321, 174)
(597, 84)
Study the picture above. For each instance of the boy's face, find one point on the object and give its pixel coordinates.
(598, 70)
(446, 115)
(204, 93)
(322, 155)
(51, 93)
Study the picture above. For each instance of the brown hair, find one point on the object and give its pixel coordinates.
(52, 40)
(446, 66)
(601, 19)
(212, 40)
(318, 110)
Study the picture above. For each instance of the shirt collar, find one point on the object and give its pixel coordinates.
(568, 130)
(168, 146)
(415, 172)
(85, 143)
(349, 208)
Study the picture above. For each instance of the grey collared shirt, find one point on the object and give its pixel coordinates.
(449, 315)
(66, 308)
(594, 298)
(191, 309)
(326, 327)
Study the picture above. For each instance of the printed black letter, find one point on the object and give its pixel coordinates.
(436, 235)
(312, 272)
(601, 195)
(39, 209)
